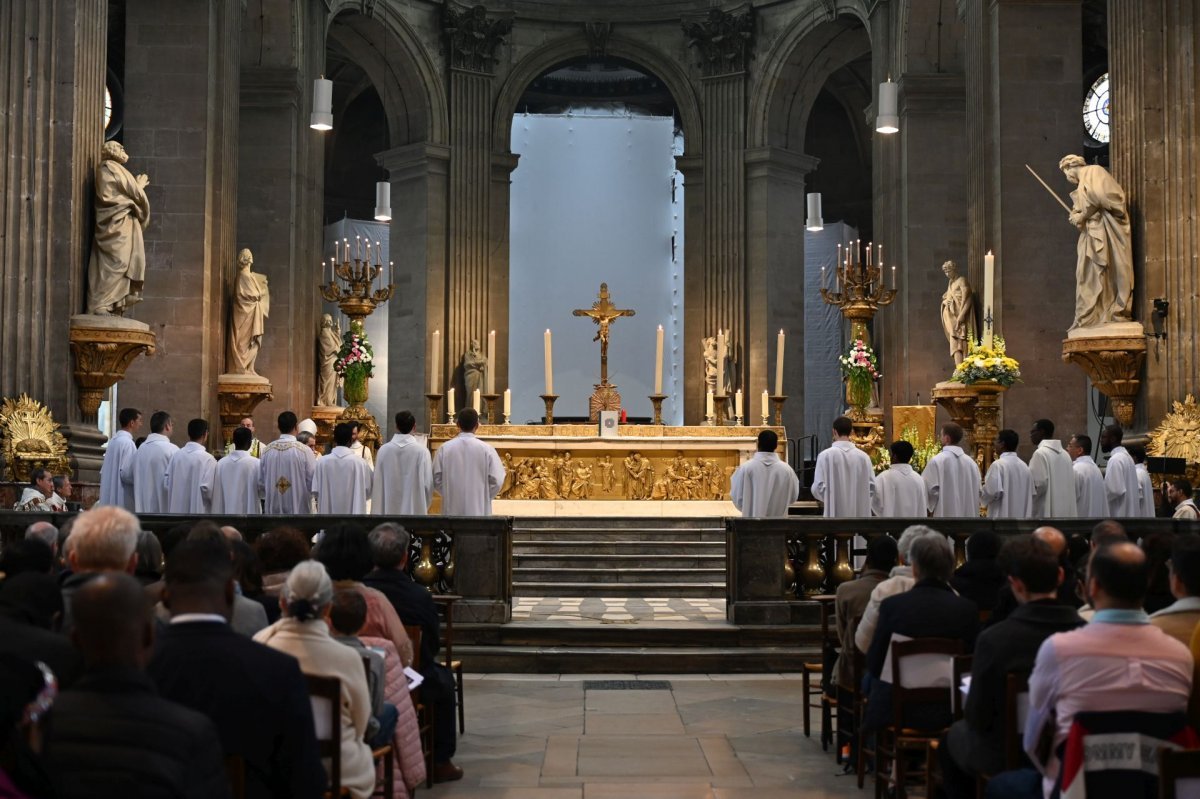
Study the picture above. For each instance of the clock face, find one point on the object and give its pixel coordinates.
(1096, 110)
(108, 108)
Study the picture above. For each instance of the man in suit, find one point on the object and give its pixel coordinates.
(256, 696)
(976, 744)
(112, 734)
(930, 609)
(30, 608)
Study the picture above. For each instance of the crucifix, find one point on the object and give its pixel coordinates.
(603, 313)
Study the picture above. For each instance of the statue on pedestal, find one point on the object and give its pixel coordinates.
(251, 306)
(328, 343)
(1104, 254)
(118, 263)
(958, 312)
(474, 365)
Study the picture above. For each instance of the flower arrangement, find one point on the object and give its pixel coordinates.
(923, 451)
(355, 362)
(987, 363)
(861, 370)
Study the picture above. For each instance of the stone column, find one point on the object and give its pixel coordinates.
(775, 205)
(181, 129)
(694, 266)
(52, 127)
(419, 174)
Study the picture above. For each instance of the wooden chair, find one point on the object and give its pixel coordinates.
(960, 667)
(1016, 711)
(1175, 765)
(325, 693)
(384, 754)
(424, 712)
(826, 700)
(447, 601)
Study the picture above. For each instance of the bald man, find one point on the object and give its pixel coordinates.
(1006, 600)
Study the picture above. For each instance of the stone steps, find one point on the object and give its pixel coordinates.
(673, 588)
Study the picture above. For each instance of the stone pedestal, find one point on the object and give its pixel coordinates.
(1114, 365)
(975, 408)
(103, 347)
(325, 416)
(239, 395)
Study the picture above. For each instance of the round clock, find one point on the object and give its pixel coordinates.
(1096, 111)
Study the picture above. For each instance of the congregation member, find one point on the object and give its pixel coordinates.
(279, 550)
(39, 494)
(1180, 618)
(467, 472)
(303, 633)
(1008, 487)
(414, 605)
(347, 616)
(899, 489)
(852, 597)
(952, 478)
(1120, 476)
(150, 466)
(765, 485)
(976, 744)
(1146, 506)
(899, 580)
(149, 558)
(1052, 473)
(1090, 500)
(980, 578)
(287, 472)
(31, 609)
(102, 539)
(255, 696)
(46, 532)
(342, 480)
(112, 734)
(844, 481)
(1179, 497)
(189, 476)
(116, 472)
(403, 481)
(238, 479)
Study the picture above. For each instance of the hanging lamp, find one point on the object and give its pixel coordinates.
(887, 120)
(322, 113)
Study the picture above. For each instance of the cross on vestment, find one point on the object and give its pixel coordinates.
(603, 313)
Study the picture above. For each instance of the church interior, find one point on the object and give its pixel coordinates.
(639, 240)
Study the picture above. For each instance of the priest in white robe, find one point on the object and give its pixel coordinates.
(287, 471)
(238, 480)
(765, 485)
(467, 472)
(1053, 477)
(189, 477)
(899, 489)
(952, 478)
(1090, 498)
(150, 466)
(844, 480)
(1120, 476)
(1145, 484)
(1008, 487)
(342, 480)
(403, 481)
(116, 472)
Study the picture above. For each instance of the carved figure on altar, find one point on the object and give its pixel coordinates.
(710, 363)
(958, 312)
(606, 473)
(474, 365)
(251, 307)
(581, 481)
(635, 470)
(1104, 254)
(117, 267)
(546, 485)
(565, 467)
(328, 344)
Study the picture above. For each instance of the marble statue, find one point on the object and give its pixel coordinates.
(710, 363)
(328, 343)
(474, 364)
(117, 266)
(1104, 254)
(251, 307)
(958, 312)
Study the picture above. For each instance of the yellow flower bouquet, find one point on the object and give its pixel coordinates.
(987, 363)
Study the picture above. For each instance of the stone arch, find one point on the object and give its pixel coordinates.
(560, 50)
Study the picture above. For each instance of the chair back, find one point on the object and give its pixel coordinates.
(1116, 753)
(1178, 773)
(325, 693)
(414, 635)
(1016, 713)
(960, 667)
(922, 674)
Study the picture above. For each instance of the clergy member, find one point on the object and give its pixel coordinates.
(1090, 499)
(1120, 476)
(899, 490)
(36, 496)
(116, 473)
(403, 482)
(1053, 477)
(1008, 487)
(1145, 484)
(238, 480)
(1179, 497)
(764, 485)
(189, 477)
(287, 471)
(357, 447)
(844, 479)
(467, 472)
(952, 478)
(255, 445)
(150, 465)
(342, 480)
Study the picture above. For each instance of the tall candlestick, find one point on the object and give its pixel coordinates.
(989, 316)
(766, 408)
(779, 364)
(708, 404)
(507, 402)
(435, 361)
(549, 366)
(491, 362)
(720, 363)
(658, 361)
(737, 404)
(450, 402)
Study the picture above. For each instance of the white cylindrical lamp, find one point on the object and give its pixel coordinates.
(887, 117)
(322, 113)
(383, 201)
(814, 222)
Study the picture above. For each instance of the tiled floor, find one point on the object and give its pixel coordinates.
(707, 737)
(616, 610)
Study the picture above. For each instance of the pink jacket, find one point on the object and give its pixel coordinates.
(410, 761)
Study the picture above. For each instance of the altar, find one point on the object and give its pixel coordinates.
(643, 470)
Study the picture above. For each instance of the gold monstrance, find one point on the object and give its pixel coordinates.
(603, 313)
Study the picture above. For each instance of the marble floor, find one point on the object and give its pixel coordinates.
(617, 610)
(692, 736)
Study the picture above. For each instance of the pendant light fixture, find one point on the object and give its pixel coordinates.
(383, 201)
(814, 222)
(322, 113)
(887, 118)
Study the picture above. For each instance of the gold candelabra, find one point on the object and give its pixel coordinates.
(859, 289)
(362, 288)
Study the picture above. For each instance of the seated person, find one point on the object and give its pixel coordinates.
(347, 617)
(899, 580)
(852, 597)
(980, 579)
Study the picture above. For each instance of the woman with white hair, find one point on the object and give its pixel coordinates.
(303, 633)
(899, 581)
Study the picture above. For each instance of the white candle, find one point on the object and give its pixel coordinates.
(708, 404)
(779, 364)
(766, 408)
(435, 361)
(335, 249)
(658, 356)
(737, 404)
(508, 402)
(549, 366)
(989, 277)
(391, 271)
(450, 403)
(720, 363)
(893, 277)
(491, 362)
(358, 248)
(475, 400)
